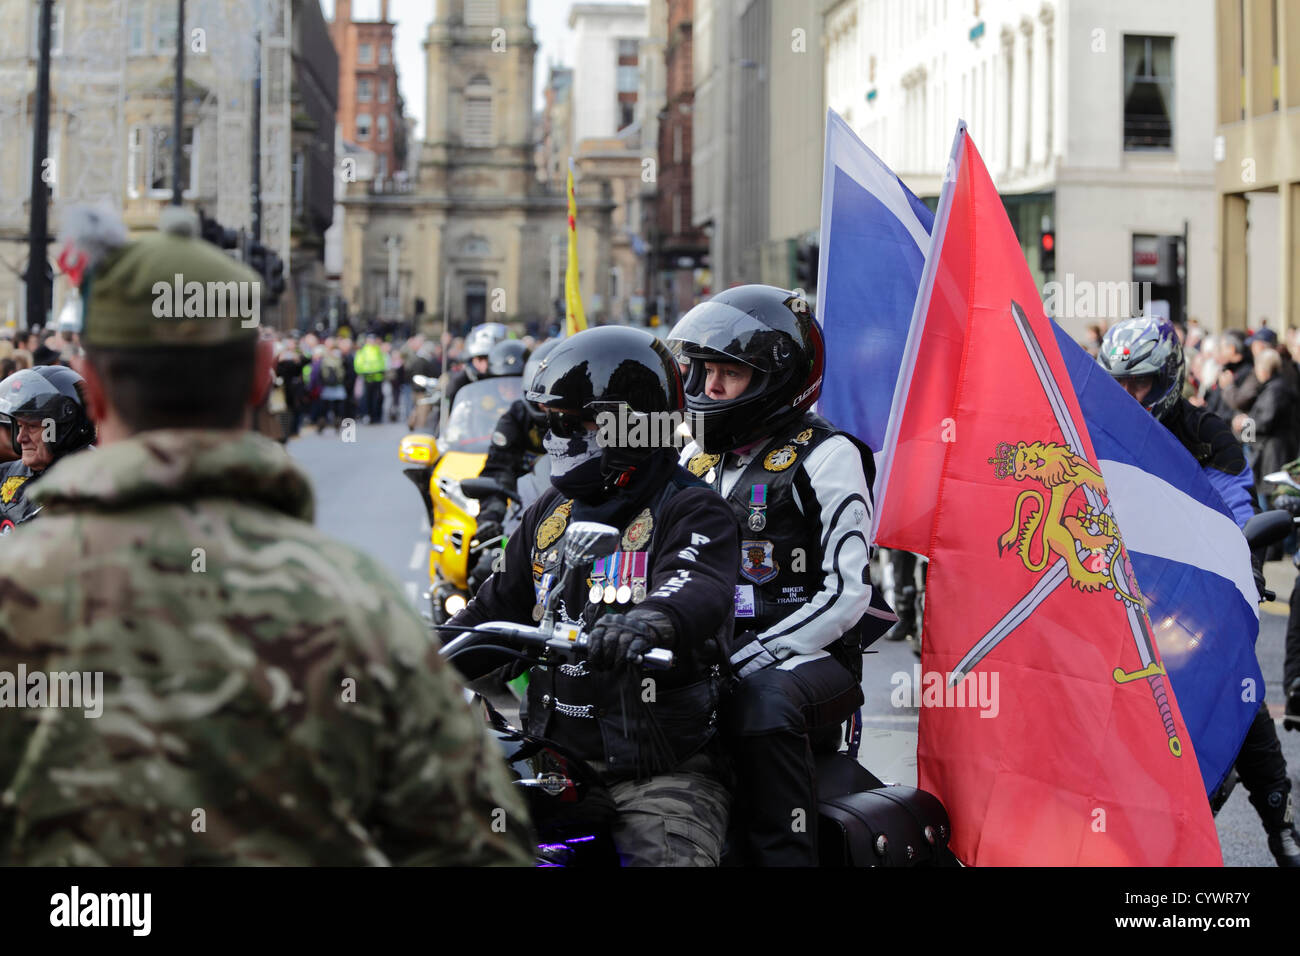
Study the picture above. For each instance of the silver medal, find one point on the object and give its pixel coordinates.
(757, 522)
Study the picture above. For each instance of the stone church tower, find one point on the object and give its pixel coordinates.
(476, 225)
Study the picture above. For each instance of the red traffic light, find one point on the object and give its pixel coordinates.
(1049, 241)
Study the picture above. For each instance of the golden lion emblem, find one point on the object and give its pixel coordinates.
(1087, 537)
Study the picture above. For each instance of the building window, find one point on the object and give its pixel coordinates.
(363, 90)
(477, 126)
(615, 280)
(677, 146)
(383, 128)
(627, 49)
(385, 56)
(363, 126)
(56, 30)
(626, 113)
(149, 161)
(677, 214)
(383, 91)
(164, 28)
(135, 36)
(1148, 92)
(365, 53)
(481, 13)
(629, 79)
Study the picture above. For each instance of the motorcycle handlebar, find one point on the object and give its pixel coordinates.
(567, 640)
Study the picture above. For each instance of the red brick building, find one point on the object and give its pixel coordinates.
(370, 106)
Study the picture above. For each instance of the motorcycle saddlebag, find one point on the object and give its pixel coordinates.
(890, 826)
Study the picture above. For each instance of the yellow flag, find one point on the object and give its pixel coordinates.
(575, 320)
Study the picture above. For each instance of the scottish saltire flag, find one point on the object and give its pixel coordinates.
(1033, 601)
(874, 236)
(1189, 555)
(575, 319)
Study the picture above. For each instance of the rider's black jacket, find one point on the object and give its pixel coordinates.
(15, 507)
(687, 537)
(515, 441)
(1207, 436)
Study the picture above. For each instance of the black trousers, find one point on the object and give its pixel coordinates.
(767, 719)
(374, 399)
(1291, 667)
(1262, 770)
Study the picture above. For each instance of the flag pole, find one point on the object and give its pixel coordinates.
(919, 310)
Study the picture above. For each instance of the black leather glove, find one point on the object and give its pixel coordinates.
(1257, 570)
(619, 639)
(486, 530)
(1289, 503)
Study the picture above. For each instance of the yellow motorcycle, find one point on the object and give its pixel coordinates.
(437, 467)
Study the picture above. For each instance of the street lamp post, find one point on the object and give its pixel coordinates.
(38, 221)
(178, 108)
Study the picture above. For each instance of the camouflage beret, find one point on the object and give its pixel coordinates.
(170, 288)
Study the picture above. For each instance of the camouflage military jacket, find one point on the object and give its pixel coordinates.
(268, 695)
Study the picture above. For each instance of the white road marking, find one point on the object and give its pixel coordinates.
(412, 590)
(418, 554)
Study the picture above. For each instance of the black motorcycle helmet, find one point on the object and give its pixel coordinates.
(530, 372)
(1147, 348)
(613, 369)
(507, 358)
(50, 392)
(773, 332)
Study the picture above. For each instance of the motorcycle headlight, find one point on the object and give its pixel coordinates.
(454, 604)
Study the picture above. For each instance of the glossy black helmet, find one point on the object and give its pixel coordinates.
(774, 333)
(47, 393)
(530, 372)
(616, 370)
(507, 358)
(1146, 348)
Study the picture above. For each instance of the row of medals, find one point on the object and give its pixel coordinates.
(609, 593)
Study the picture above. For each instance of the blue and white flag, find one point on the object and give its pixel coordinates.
(874, 236)
(1191, 562)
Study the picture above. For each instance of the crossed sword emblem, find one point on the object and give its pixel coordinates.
(1057, 574)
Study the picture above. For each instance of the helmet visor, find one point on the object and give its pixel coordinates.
(723, 330)
(28, 395)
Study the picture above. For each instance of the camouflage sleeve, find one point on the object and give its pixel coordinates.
(446, 799)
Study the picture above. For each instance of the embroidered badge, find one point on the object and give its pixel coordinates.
(758, 561)
(701, 463)
(11, 486)
(804, 437)
(638, 532)
(549, 531)
(780, 459)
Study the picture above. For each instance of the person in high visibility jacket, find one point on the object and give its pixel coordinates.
(371, 365)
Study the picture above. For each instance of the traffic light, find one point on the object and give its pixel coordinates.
(274, 276)
(266, 263)
(213, 232)
(806, 257)
(1047, 251)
